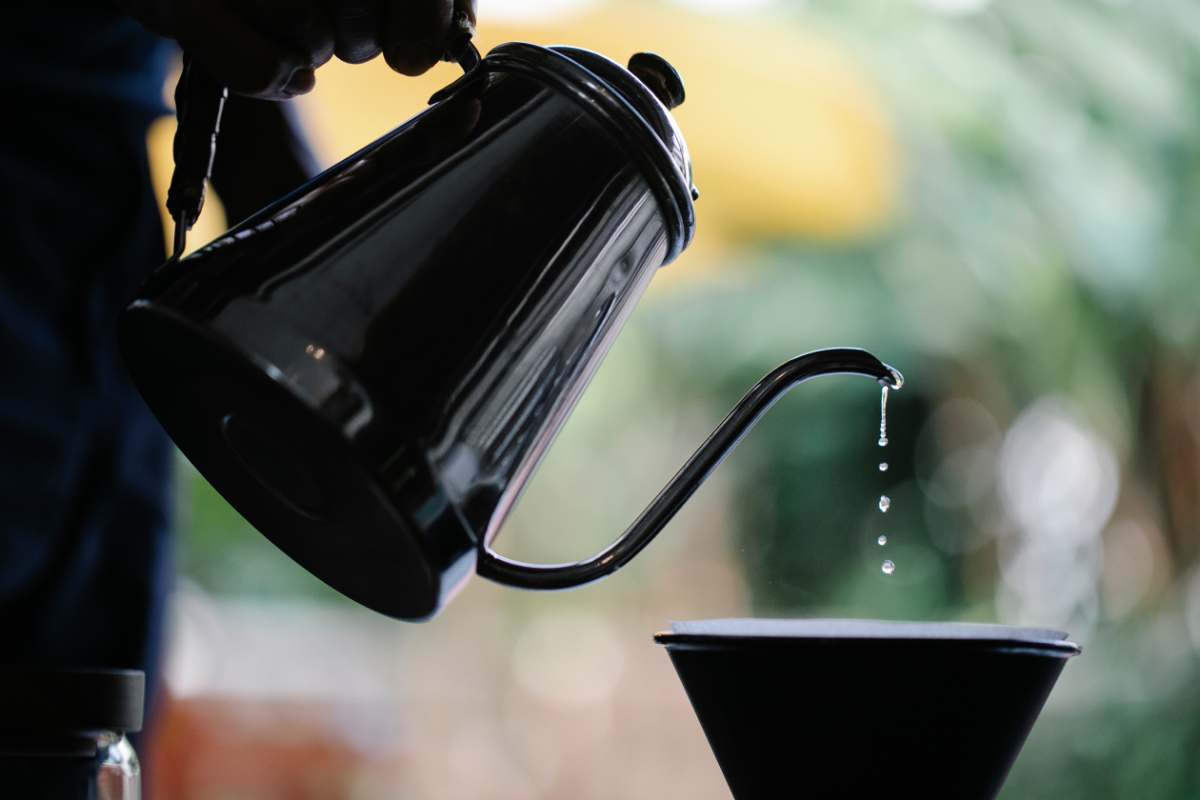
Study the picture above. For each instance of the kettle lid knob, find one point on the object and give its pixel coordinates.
(659, 76)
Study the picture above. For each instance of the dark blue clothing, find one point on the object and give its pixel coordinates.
(84, 467)
(83, 51)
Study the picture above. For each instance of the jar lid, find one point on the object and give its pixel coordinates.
(70, 701)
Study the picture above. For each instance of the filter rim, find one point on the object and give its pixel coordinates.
(757, 633)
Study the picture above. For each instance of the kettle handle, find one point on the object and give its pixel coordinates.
(199, 102)
(749, 410)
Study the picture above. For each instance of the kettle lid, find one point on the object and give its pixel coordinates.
(652, 86)
(636, 103)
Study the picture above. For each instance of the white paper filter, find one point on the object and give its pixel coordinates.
(862, 629)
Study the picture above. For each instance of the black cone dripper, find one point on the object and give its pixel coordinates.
(854, 708)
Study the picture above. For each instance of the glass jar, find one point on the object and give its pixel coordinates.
(119, 776)
(62, 734)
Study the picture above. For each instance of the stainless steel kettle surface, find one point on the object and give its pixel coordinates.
(370, 368)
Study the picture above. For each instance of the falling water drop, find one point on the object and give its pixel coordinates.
(885, 502)
(883, 440)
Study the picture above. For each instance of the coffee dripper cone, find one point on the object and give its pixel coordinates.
(857, 708)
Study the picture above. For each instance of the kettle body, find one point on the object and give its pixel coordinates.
(369, 368)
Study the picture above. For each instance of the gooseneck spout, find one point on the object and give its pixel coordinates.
(711, 453)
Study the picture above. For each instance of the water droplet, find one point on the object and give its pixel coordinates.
(882, 539)
(885, 503)
(888, 567)
(883, 440)
(883, 466)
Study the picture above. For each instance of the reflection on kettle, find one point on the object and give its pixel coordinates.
(370, 369)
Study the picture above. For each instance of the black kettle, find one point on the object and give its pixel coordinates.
(370, 368)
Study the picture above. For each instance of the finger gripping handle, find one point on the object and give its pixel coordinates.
(199, 101)
(459, 47)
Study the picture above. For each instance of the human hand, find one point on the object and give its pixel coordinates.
(271, 49)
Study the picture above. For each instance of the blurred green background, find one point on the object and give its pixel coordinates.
(1004, 204)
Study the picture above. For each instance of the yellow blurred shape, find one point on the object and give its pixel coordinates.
(788, 138)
